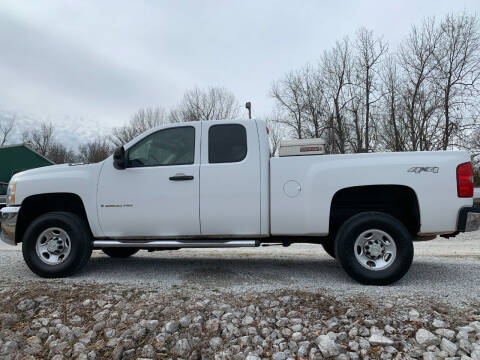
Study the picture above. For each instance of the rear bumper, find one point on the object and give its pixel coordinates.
(469, 219)
(8, 221)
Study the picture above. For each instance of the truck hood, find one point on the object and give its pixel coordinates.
(52, 170)
(79, 179)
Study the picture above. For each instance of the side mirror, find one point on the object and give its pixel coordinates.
(119, 159)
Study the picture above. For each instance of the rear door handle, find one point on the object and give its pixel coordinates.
(181, 177)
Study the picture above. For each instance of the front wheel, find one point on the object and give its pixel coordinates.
(57, 244)
(329, 247)
(374, 248)
(120, 252)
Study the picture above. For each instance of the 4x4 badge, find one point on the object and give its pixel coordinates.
(420, 169)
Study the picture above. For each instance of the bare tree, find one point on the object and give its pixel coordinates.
(417, 61)
(214, 103)
(315, 102)
(457, 70)
(41, 138)
(337, 67)
(276, 126)
(289, 97)
(7, 124)
(141, 121)
(354, 116)
(424, 97)
(59, 154)
(94, 151)
(370, 51)
(392, 131)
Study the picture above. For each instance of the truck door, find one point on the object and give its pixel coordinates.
(158, 193)
(230, 179)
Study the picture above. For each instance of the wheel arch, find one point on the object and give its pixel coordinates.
(39, 204)
(399, 201)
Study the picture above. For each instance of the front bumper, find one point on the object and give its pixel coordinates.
(8, 222)
(469, 219)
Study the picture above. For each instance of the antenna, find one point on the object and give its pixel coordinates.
(248, 105)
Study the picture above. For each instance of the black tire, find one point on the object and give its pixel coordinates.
(358, 225)
(80, 248)
(329, 247)
(120, 252)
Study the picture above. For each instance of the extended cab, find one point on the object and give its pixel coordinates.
(215, 184)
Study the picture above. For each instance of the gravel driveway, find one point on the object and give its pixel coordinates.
(449, 268)
(259, 303)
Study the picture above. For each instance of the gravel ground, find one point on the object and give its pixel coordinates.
(260, 303)
(447, 268)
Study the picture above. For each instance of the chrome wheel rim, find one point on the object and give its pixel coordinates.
(53, 246)
(375, 250)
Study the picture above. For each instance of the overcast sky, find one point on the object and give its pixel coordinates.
(82, 63)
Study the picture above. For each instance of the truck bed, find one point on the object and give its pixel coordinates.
(313, 182)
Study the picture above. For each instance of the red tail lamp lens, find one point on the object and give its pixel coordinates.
(465, 180)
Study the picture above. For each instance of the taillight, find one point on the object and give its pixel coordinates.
(465, 180)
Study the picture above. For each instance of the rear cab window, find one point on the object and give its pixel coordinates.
(227, 143)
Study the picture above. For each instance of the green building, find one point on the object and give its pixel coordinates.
(20, 157)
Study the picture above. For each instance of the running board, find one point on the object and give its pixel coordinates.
(98, 244)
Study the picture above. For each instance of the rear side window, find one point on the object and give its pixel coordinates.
(227, 143)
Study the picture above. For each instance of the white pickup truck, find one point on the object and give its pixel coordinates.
(215, 184)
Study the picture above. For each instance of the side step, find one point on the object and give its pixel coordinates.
(98, 244)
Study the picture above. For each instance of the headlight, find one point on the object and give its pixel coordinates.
(12, 186)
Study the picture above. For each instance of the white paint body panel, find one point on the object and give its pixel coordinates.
(230, 192)
(256, 197)
(264, 166)
(149, 203)
(320, 177)
(78, 179)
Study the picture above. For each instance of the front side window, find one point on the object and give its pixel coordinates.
(174, 146)
(3, 189)
(227, 143)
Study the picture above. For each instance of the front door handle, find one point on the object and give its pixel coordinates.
(180, 177)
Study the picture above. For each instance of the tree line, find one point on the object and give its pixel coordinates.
(363, 96)
(359, 96)
(197, 104)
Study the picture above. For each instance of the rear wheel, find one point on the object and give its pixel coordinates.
(57, 244)
(120, 252)
(374, 248)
